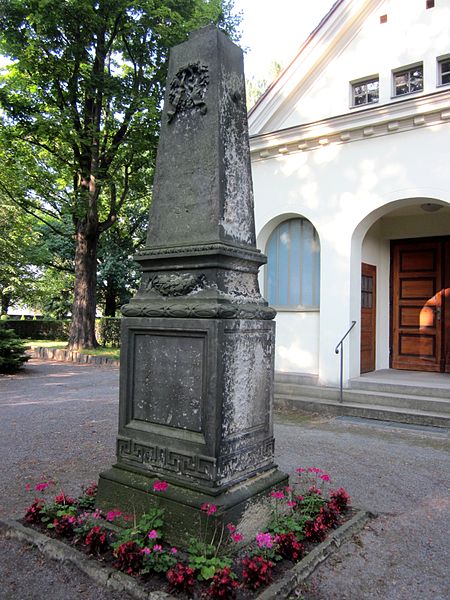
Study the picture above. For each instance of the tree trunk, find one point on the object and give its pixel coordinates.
(110, 299)
(5, 302)
(82, 329)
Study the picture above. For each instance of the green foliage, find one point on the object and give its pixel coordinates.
(138, 533)
(108, 331)
(80, 105)
(12, 351)
(42, 329)
(204, 560)
(158, 561)
(294, 522)
(311, 504)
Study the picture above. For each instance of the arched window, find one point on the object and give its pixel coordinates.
(293, 265)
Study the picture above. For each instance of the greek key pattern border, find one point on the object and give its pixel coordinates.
(160, 458)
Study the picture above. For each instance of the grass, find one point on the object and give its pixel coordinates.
(100, 351)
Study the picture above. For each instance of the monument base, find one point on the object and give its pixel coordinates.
(246, 504)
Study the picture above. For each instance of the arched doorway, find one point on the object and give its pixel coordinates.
(403, 279)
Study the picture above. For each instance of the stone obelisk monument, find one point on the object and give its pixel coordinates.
(198, 339)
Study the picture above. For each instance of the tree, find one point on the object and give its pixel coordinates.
(17, 276)
(256, 87)
(80, 114)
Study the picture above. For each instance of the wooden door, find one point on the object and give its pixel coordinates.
(418, 321)
(368, 317)
(446, 307)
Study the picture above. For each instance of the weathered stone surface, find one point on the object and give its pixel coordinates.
(197, 341)
(196, 399)
(200, 259)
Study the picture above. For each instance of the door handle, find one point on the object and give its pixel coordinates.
(438, 313)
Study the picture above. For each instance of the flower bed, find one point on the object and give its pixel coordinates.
(221, 565)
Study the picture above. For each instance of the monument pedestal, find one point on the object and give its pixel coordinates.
(244, 504)
(194, 411)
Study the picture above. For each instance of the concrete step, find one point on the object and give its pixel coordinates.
(364, 410)
(380, 398)
(434, 391)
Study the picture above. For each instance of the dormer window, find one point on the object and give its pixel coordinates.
(365, 91)
(408, 81)
(444, 70)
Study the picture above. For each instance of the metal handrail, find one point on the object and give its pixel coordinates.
(336, 350)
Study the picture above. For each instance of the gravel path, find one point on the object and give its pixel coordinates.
(60, 419)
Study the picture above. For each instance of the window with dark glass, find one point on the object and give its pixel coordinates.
(408, 81)
(366, 291)
(444, 70)
(293, 265)
(365, 92)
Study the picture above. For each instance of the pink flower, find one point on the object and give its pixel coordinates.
(208, 508)
(145, 550)
(40, 487)
(160, 486)
(28, 487)
(157, 548)
(300, 470)
(264, 540)
(291, 503)
(97, 514)
(288, 489)
(325, 477)
(153, 534)
(277, 494)
(112, 514)
(231, 528)
(173, 550)
(237, 537)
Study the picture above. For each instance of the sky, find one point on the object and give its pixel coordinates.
(275, 30)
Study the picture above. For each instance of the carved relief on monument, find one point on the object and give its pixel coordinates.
(176, 284)
(161, 458)
(188, 89)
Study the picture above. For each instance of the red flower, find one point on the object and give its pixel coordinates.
(91, 490)
(34, 512)
(160, 486)
(339, 500)
(96, 540)
(64, 525)
(289, 547)
(129, 558)
(181, 578)
(257, 572)
(208, 508)
(279, 495)
(113, 514)
(65, 500)
(223, 584)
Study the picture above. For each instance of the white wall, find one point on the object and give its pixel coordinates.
(343, 190)
(411, 34)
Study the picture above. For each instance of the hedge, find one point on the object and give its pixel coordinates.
(40, 329)
(107, 329)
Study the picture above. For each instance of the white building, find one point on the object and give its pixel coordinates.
(351, 171)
